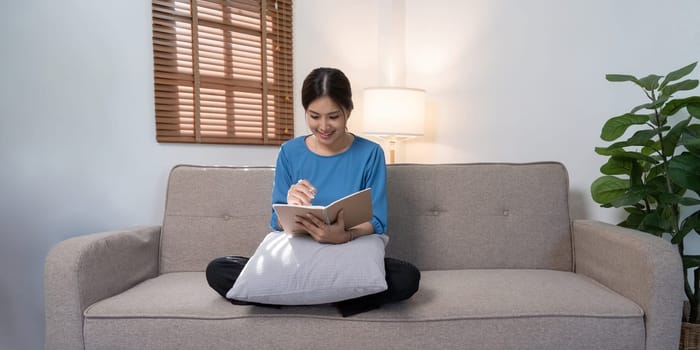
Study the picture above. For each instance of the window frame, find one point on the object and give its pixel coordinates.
(211, 91)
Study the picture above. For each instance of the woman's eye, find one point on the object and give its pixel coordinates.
(314, 116)
(334, 117)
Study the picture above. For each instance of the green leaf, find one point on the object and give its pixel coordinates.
(691, 139)
(636, 174)
(694, 109)
(606, 189)
(684, 170)
(682, 86)
(691, 261)
(651, 105)
(617, 126)
(674, 106)
(648, 105)
(691, 223)
(652, 223)
(670, 142)
(606, 151)
(634, 210)
(633, 220)
(651, 148)
(694, 129)
(689, 202)
(621, 77)
(633, 196)
(617, 166)
(669, 199)
(650, 82)
(678, 237)
(661, 119)
(620, 153)
(667, 215)
(641, 138)
(691, 143)
(677, 74)
(658, 184)
(655, 172)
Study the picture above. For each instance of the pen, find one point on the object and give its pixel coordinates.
(310, 188)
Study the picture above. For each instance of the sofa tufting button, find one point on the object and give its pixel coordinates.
(506, 212)
(227, 217)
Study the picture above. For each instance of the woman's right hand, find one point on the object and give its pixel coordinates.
(301, 193)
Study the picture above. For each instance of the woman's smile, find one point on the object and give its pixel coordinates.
(325, 135)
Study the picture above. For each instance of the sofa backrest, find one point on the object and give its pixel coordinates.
(455, 216)
(480, 216)
(213, 211)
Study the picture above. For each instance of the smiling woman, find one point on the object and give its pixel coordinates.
(215, 80)
(327, 99)
(318, 169)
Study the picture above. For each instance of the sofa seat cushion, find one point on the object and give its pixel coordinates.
(504, 309)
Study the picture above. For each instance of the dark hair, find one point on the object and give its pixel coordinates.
(329, 82)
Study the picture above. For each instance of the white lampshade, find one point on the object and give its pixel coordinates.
(391, 111)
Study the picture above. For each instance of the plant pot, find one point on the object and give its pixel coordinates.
(690, 332)
(690, 336)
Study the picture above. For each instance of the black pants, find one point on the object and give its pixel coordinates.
(402, 279)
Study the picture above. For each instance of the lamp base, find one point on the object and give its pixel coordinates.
(393, 140)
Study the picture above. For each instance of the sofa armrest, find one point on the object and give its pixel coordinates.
(83, 270)
(642, 267)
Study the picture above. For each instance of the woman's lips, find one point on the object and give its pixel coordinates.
(326, 135)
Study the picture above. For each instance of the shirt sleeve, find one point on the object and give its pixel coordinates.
(280, 186)
(376, 179)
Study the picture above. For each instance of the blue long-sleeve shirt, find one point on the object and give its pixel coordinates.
(360, 166)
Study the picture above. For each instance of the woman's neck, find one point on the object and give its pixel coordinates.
(342, 145)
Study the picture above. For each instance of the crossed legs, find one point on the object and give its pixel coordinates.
(402, 280)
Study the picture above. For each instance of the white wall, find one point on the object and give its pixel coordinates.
(77, 140)
(525, 81)
(507, 80)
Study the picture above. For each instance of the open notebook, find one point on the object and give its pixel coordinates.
(358, 209)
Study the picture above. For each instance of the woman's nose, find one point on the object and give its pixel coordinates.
(323, 123)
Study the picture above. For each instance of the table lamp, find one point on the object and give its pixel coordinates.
(394, 114)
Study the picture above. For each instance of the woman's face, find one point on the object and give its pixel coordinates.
(327, 121)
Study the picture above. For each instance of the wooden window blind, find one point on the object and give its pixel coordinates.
(223, 71)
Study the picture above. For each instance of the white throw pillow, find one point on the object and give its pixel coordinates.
(289, 269)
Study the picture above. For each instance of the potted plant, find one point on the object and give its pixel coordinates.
(654, 174)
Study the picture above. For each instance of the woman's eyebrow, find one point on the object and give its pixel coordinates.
(329, 113)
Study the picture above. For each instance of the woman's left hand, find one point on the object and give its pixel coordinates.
(334, 233)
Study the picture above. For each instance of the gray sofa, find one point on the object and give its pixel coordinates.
(503, 267)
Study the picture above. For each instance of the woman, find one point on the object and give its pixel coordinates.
(318, 169)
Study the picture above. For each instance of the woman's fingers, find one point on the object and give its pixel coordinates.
(340, 221)
(312, 226)
(305, 187)
(322, 232)
(297, 198)
(301, 193)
